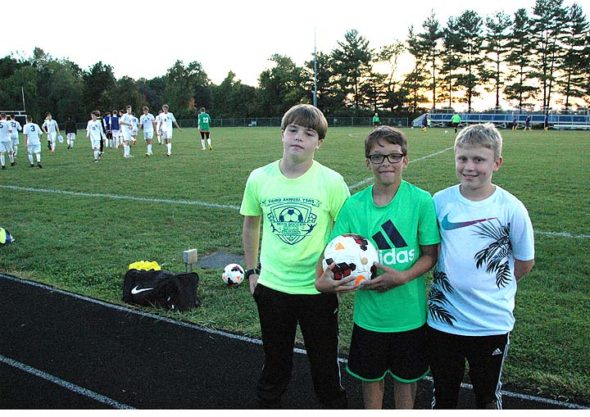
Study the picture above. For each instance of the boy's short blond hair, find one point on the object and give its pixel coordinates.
(307, 116)
(484, 134)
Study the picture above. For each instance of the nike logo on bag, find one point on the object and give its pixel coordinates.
(448, 225)
(497, 352)
(136, 290)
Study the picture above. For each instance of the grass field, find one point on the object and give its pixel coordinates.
(78, 224)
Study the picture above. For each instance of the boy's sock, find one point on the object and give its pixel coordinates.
(169, 147)
(203, 144)
(31, 158)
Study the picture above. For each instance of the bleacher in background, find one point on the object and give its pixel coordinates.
(504, 120)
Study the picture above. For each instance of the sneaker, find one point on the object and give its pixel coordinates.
(3, 167)
(39, 165)
(32, 165)
(96, 160)
(203, 149)
(13, 163)
(168, 154)
(147, 154)
(210, 147)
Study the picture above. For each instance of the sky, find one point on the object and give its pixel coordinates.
(142, 39)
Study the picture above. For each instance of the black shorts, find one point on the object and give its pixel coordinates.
(374, 354)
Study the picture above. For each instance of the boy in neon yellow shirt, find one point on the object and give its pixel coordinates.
(297, 200)
(389, 334)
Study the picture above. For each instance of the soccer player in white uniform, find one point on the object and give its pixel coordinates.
(147, 122)
(165, 126)
(5, 141)
(33, 133)
(126, 122)
(16, 127)
(158, 131)
(52, 129)
(95, 133)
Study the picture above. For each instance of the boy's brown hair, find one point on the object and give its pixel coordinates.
(307, 116)
(388, 134)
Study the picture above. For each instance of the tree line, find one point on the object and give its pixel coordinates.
(538, 59)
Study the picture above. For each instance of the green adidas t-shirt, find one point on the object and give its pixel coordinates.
(456, 118)
(397, 230)
(204, 122)
(297, 217)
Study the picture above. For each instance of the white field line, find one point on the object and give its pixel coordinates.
(368, 180)
(566, 235)
(121, 197)
(65, 384)
(246, 339)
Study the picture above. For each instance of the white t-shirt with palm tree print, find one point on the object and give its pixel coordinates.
(474, 285)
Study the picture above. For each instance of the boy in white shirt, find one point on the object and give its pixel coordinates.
(16, 127)
(126, 122)
(165, 126)
(95, 133)
(33, 133)
(147, 122)
(487, 246)
(51, 128)
(5, 141)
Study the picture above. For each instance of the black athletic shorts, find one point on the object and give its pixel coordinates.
(401, 354)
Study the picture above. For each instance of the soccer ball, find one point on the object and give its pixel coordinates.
(5, 237)
(354, 256)
(233, 274)
(291, 214)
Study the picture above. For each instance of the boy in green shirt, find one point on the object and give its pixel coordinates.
(390, 310)
(296, 199)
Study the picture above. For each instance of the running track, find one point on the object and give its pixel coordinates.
(63, 351)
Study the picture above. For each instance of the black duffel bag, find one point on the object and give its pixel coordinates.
(161, 289)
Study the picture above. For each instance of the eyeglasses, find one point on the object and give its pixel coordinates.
(393, 158)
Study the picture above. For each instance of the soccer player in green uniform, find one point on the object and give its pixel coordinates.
(204, 125)
(456, 121)
(376, 120)
(296, 199)
(389, 333)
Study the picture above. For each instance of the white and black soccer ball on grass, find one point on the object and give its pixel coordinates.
(233, 274)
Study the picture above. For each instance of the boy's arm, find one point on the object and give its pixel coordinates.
(521, 268)
(251, 244)
(393, 278)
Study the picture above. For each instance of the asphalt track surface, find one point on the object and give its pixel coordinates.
(63, 351)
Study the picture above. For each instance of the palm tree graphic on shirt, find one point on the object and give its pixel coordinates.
(495, 259)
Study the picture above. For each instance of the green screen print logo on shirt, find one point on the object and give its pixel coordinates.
(292, 219)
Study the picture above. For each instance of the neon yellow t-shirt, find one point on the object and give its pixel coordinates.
(297, 217)
(397, 230)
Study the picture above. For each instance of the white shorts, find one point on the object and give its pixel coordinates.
(35, 148)
(52, 136)
(115, 133)
(166, 134)
(71, 136)
(6, 146)
(148, 134)
(15, 141)
(95, 143)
